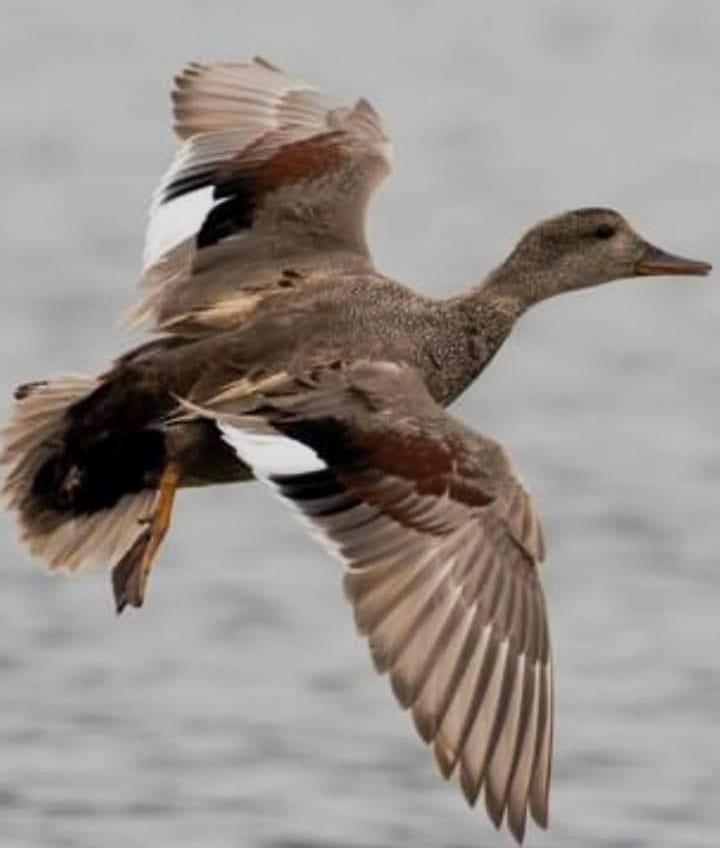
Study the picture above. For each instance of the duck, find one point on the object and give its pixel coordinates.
(277, 352)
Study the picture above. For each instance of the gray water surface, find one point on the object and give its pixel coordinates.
(238, 708)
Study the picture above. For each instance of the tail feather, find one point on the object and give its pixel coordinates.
(32, 438)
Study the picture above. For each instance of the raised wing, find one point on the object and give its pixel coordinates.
(440, 544)
(272, 176)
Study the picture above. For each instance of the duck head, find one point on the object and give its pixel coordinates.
(583, 248)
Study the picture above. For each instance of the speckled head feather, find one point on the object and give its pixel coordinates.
(581, 248)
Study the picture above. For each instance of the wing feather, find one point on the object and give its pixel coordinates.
(272, 170)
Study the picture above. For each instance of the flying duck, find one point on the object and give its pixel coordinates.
(279, 353)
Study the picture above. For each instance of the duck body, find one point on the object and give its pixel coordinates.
(369, 317)
(329, 322)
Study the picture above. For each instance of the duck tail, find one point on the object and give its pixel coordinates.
(48, 489)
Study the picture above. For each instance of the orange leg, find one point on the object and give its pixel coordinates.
(131, 574)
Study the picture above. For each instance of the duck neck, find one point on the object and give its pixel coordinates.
(493, 307)
(523, 283)
(483, 318)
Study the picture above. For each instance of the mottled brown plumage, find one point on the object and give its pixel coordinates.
(271, 323)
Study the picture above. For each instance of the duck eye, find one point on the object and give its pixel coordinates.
(605, 231)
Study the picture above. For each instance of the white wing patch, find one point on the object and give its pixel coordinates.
(175, 221)
(270, 454)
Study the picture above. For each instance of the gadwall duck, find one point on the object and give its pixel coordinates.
(280, 353)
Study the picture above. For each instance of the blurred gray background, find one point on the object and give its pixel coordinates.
(238, 708)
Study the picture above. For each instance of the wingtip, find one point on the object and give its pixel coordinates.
(362, 104)
(469, 786)
(540, 815)
(258, 60)
(189, 69)
(446, 760)
(403, 690)
(516, 822)
(425, 724)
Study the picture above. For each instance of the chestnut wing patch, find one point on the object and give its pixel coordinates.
(242, 184)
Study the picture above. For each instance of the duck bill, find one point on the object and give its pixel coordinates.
(657, 262)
